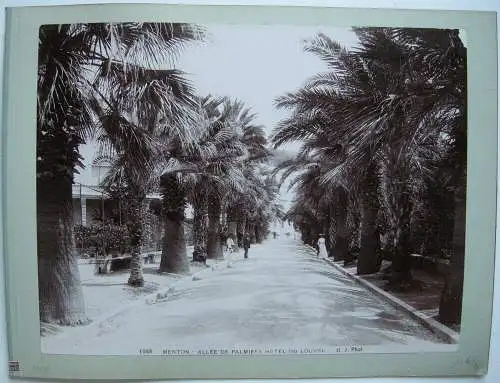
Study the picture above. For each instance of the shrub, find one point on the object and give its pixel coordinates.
(102, 238)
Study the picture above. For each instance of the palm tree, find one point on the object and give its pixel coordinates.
(389, 102)
(258, 207)
(174, 252)
(181, 155)
(434, 103)
(327, 109)
(219, 156)
(317, 156)
(132, 130)
(304, 215)
(359, 99)
(67, 54)
(220, 159)
(253, 137)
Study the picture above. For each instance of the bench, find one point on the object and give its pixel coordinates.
(109, 264)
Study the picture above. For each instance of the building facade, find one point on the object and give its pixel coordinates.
(90, 203)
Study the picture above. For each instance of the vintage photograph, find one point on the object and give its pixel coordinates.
(250, 189)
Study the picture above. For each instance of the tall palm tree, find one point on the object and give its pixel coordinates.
(434, 94)
(174, 251)
(317, 156)
(388, 102)
(181, 154)
(67, 54)
(361, 99)
(182, 157)
(258, 207)
(253, 137)
(228, 144)
(132, 130)
(330, 104)
(218, 173)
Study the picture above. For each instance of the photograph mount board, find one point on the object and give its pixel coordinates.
(284, 311)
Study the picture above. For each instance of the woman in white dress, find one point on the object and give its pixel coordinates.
(322, 247)
(229, 251)
(229, 244)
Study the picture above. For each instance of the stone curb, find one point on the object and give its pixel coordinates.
(437, 328)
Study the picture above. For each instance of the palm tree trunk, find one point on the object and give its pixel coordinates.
(401, 264)
(304, 235)
(242, 228)
(439, 211)
(259, 236)
(214, 244)
(353, 227)
(60, 292)
(232, 222)
(253, 233)
(450, 308)
(329, 242)
(200, 226)
(238, 234)
(369, 255)
(174, 253)
(223, 216)
(135, 224)
(341, 236)
(396, 195)
(332, 237)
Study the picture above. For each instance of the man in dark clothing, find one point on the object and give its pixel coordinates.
(246, 243)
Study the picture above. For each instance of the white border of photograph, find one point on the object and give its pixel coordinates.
(19, 219)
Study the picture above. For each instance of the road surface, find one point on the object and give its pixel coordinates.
(283, 296)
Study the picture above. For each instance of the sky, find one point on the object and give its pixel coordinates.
(256, 64)
(253, 63)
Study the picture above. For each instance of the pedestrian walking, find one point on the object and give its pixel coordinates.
(246, 244)
(229, 250)
(229, 244)
(322, 247)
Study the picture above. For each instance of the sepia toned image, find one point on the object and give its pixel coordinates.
(250, 190)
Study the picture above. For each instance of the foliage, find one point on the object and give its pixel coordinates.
(387, 124)
(102, 238)
(104, 80)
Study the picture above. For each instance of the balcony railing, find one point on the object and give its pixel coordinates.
(96, 192)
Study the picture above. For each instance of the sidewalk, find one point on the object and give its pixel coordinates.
(422, 304)
(106, 295)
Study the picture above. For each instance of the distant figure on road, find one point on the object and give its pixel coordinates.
(246, 243)
(322, 247)
(229, 251)
(229, 244)
(274, 234)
